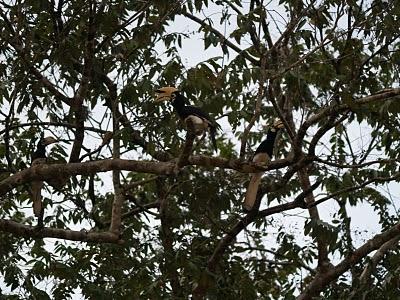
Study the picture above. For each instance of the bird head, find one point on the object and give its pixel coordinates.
(166, 94)
(48, 140)
(278, 124)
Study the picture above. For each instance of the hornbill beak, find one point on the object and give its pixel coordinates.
(165, 94)
(49, 140)
(277, 124)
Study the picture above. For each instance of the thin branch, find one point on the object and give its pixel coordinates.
(354, 188)
(132, 185)
(355, 166)
(224, 40)
(17, 45)
(168, 265)
(334, 109)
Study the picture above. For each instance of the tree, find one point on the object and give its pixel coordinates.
(158, 215)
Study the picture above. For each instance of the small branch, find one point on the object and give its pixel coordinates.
(354, 188)
(334, 109)
(135, 184)
(133, 212)
(331, 123)
(356, 166)
(224, 40)
(7, 136)
(279, 111)
(16, 44)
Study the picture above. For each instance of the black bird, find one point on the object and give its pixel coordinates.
(262, 156)
(39, 157)
(200, 119)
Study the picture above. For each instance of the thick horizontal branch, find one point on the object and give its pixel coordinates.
(33, 232)
(48, 171)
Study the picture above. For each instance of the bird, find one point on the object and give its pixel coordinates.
(39, 157)
(201, 120)
(262, 156)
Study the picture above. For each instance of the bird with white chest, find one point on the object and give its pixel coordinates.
(262, 156)
(200, 119)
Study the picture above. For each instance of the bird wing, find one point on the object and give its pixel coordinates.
(193, 110)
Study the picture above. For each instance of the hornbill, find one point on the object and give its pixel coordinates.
(200, 119)
(39, 157)
(262, 156)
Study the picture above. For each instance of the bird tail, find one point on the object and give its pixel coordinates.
(251, 192)
(212, 134)
(37, 197)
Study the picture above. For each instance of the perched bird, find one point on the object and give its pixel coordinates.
(262, 156)
(39, 157)
(201, 120)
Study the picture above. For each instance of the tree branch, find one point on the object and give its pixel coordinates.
(48, 171)
(224, 40)
(320, 281)
(32, 232)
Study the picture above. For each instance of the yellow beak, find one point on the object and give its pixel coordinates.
(165, 93)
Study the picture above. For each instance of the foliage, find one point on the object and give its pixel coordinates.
(80, 69)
